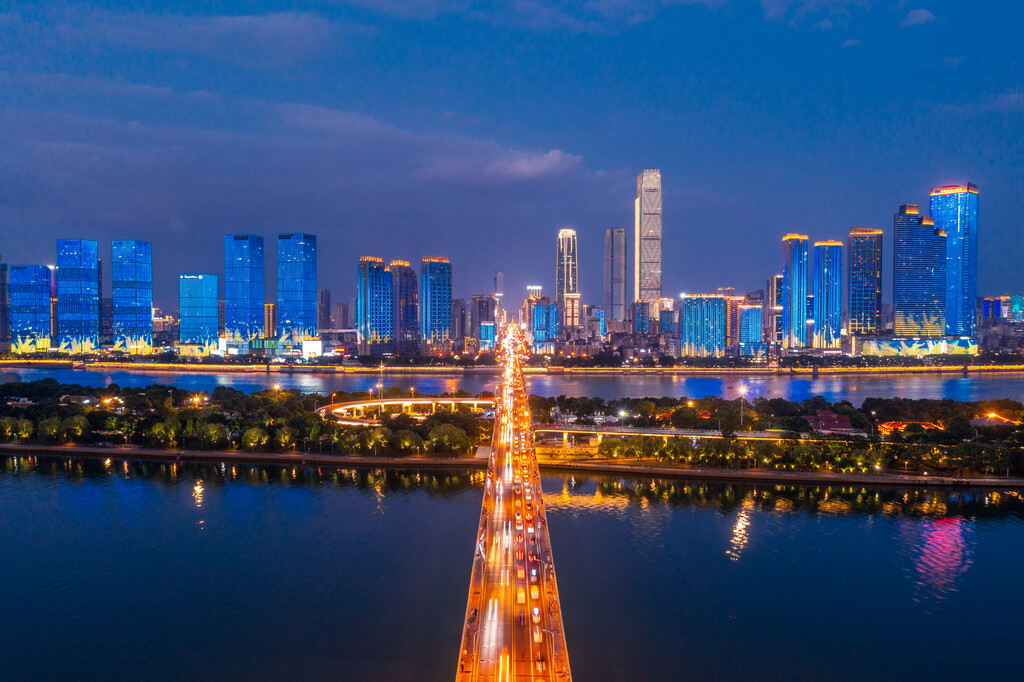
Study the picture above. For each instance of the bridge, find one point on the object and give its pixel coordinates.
(354, 413)
(513, 628)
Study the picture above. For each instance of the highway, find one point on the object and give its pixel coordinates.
(513, 628)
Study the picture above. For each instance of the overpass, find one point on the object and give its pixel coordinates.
(513, 627)
(353, 413)
(625, 432)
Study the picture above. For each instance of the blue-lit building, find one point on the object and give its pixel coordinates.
(919, 275)
(642, 317)
(545, 327)
(864, 278)
(599, 313)
(132, 289)
(374, 307)
(244, 290)
(702, 325)
(751, 323)
(78, 295)
(828, 294)
(30, 308)
(199, 325)
(435, 305)
(794, 291)
(955, 211)
(667, 321)
(407, 307)
(296, 289)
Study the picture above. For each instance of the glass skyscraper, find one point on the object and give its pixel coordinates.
(244, 291)
(919, 275)
(954, 209)
(864, 277)
(407, 308)
(751, 323)
(794, 290)
(702, 325)
(78, 295)
(132, 288)
(545, 324)
(374, 307)
(773, 309)
(30, 308)
(615, 273)
(647, 236)
(199, 323)
(828, 294)
(436, 305)
(567, 278)
(296, 288)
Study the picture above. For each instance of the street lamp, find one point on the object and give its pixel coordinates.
(743, 394)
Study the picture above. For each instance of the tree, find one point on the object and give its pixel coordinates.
(24, 429)
(50, 428)
(406, 441)
(449, 438)
(215, 434)
(76, 427)
(284, 437)
(374, 438)
(253, 438)
(7, 427)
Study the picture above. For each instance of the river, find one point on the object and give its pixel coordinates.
(150, 571)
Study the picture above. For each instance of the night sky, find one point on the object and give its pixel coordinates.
(476, 130)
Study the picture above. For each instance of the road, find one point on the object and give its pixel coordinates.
(513, 628)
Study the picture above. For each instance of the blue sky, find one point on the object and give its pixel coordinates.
(476, 129)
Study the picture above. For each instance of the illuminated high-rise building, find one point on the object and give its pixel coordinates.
(407, 307)
(772, 315)
(296, 288)
(132, 289)
(323, 309)
(30, 308)
(244, 293)
(647, 236)
(78, 295)
(794, 291)
(374, 307)
(567, 280)
(702, 325)
(481, 321)
(198, 317)
(435, 305)
(919, 275)
(864, 281)
(828, 294)
(751, 323)
(615, 273)
(954, 209)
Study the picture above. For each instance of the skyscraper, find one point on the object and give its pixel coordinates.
(751, 323)
(481, 321)
(132, 294)
(78, 295)
(828, 294)
(435, 305)
(919, 275)
(30, 308)
(323, 309)
(198, 323)
(374, 307)
(954, 209)
(864, 278)
(702, 325)
(794, 290)
(773, 310)
(499, 292)
(243, 289)
(407, 308)
(567, 278)
(296, 288)
(615, 273)
(647, 236)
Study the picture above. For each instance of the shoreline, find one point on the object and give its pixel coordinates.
(546, 465)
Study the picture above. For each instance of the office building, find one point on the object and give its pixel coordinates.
(864, 281)
(323, 309)
(794, 291)
(374, 307)
(269, 320)
(954, 209)
(499, 292)
(647, 236)
(615, 273)
(78, 296)
(828, 294)
(30, 308)
(198, 317)
(481, 321)
(773, 310)
(642, 316)
(567, 284)
(244, 291)
(406, 307)
(702, 325)
(751, 326)
(345, 315)
(132, 296)
(460, 325)
(919, 275)
(435, 305)
(296, 289)
(667, 322)
(544, 325)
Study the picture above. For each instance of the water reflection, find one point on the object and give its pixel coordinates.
(942, 549)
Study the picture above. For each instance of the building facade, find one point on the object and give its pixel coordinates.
(198, 317)
(567, 280)
(30, 308)
(919, 275)
(864, 281)
(828, 294)
(374, 307)
(132, 296)
(482, 310)
(773, 310)
(244, 289)
(794, 291)
(647, 236)
(702, 325)
(615, 273)
(435, 305)
(323, 309)
(78, 295)
(296, 289)
(954, 209)
(406, 307)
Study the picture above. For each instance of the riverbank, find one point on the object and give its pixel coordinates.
(547, 465)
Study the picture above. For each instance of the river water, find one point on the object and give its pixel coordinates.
(150, 571)
(854, 388)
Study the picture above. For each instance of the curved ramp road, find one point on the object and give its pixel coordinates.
(513, 628)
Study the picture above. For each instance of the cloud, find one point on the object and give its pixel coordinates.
(916, 17)
(852, 42)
